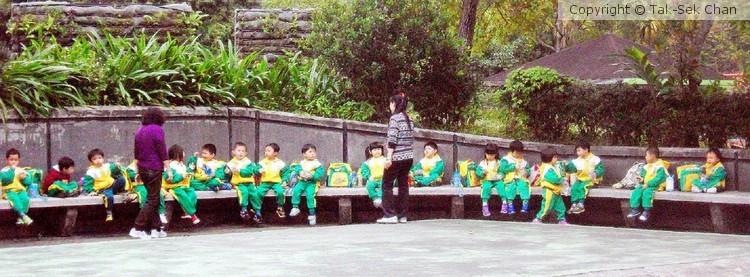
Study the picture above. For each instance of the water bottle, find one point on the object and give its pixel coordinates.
(670, 183)
(292, 183)
(456, 181)
(354, 179)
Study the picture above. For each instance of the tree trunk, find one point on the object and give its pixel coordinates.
(468, 20)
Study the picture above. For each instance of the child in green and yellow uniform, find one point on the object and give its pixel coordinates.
(309, 172)
(713, 176)
(179, 186)
(551, 181)
(516, 171)
(489, 171)
(653, 175)
(103, 179)
(371, 172)
(588, 171)
(241, 170)
(137, 191)
(273, 171)
(429, 170)
(208, 173)
(14, 182)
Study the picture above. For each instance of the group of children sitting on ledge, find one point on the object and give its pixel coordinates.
(511, 176)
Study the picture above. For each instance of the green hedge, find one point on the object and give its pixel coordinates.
(555, 108)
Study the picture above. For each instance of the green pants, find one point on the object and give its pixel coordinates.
(247, 193)
(60, 188)
(487, 187)
(186, 197)
(580, 190)
(18, 200)
(276, 187)
(701, 185)
(517, 187)
(199, 185)
(642, 197)
(551, 201)
(374, 189)
(310, 189)
(140, 190)
(424, 181)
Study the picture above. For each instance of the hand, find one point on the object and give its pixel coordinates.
(418, 173)
(118, 165)
(22, 175)
(262, 170)
(645, 186)
(388, 163)
(169, 176)
(65, 181)
(639, 179)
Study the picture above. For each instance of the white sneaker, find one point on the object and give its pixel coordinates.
(312, 219)
(138, 234)
(377, 203)
(163, 218)
(294, 212)
(388, 220)
(402, 220)
(159, 234)
(711, 190)
(154, 234)
(695, 189)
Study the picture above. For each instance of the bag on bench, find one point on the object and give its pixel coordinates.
(468, 176)
(688, 173)
(340, 175)
(630, 180)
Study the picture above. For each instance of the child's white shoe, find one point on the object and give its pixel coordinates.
(711, 190)
(312, 219)
(377, 203)
(163, 218)
(695, 189)
(294, 212)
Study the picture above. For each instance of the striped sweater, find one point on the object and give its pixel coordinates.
(400, 137)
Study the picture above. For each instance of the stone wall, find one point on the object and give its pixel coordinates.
(70, 20)
(273, 31)
(75, 131)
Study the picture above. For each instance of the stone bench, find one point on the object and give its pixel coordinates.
(718, 202)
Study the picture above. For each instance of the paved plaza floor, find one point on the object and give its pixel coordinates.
(418, 248)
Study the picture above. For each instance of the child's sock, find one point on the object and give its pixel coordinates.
(312, 211)
(243, 209)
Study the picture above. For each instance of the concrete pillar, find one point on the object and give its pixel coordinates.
(68, 226)
(625, 206)
(719, 218)
(457, 207)
(345, 211)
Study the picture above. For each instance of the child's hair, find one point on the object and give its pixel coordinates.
(308, 147)
(653, 150)
(237, 144)
(516, 146)
(176, 153)
(210, 147)
(583, 145)
(65, 163)
(373, 145)
(716, 152)
(491, 149)
(548, 154)
(12, 152)
(95, 152)
(431, 144)
(274, 146)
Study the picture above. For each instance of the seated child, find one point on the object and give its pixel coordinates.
(273, 171)
(371, 172)
(242, 170)
(552, 178)
(713, 173)
(588, 171)
(309, 172)
(516, 171)
(179, 186)
(488, 170)
(134, 186)
(429, 170)
(650, 178)
(14, 183)
(103, 179)
(58, 183)
(208, 173)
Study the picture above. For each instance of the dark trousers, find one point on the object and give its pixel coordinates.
(148, 217)
(399, 171)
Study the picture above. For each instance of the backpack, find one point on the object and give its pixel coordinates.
(688, 173)
(630, 181)
(34, 181)
(468, 176)
(339, 175)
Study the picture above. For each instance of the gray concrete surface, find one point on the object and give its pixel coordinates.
(419, 248)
